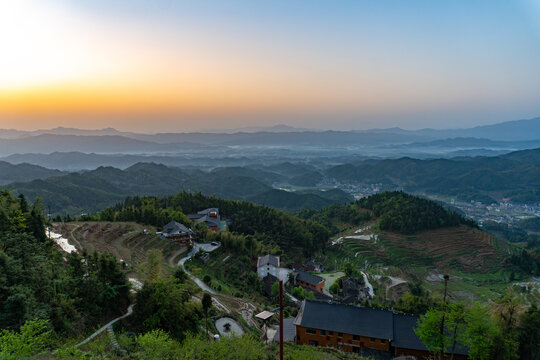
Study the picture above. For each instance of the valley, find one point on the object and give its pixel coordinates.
(395, 234)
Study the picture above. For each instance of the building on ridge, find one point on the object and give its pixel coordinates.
(268, 264)
(176, 232)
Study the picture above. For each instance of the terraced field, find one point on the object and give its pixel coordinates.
(474, 259)
(463, 248)
(126, 240)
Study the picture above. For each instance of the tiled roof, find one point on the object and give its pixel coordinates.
(308, 277)
(405, 337)
(289, 330)
(206, 211)
(175, 228)
(208, 221)
(346, 319)
(268, 260)
(368, 322)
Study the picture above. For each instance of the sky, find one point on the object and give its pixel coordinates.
(173, 65)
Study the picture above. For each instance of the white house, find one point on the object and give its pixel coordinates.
(268, 264)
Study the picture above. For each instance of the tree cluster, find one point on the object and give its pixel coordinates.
(268, 225)
(498, 332)
(407, 214)
(37, 283)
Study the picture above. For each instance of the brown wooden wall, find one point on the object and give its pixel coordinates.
(425, 355)
(319, 287)
(346, 342)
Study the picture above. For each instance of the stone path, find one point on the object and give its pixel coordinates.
(103, 328)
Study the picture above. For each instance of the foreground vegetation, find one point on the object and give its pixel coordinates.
(503, 331)
(47, 302)
(35, 341)
(36, 282)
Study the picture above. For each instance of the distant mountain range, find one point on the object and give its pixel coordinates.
(17, 134)
(281, 143)
(517, 130)
(24, 172)
(105, 144)
(485, 179)
(105, 186)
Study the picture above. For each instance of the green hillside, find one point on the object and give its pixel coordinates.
(294, 201)
(94, 190)
(515, 175)
(24, 172)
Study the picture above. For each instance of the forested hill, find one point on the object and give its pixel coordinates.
(36, 283)
(269, 225)
(515, 175)
(395, 211)
(94, 190)
(310, 231)
(407, 214)
(24, 172)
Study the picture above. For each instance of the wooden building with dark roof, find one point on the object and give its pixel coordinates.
(308, 280)
(367, 331)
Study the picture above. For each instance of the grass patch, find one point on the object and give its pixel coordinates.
(331, 278)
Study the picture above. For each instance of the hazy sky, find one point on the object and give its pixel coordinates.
(171, 65)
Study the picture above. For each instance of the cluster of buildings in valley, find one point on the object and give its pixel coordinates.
(352, 291)
(502, 212)
(269, 271)
(327, 322)
(359, 191)
(181, 234)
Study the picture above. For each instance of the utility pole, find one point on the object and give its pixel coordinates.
(265, 315)
(280, 319)
(446, 277)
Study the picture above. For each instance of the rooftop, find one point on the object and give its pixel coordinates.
(208, 221)
(308, 277)
(207, 211)
(268, 260)
(175, 228)
(368, 322)
(289, 330)
(346, 319)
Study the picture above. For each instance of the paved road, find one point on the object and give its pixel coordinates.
(129, 312)
(368, 284)
(196, 248)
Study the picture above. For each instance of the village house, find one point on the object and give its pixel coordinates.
(176, 232)
(317, 267)
(370, 332)
(310, 281)
(209, 217)
(303, 267)
(352, 291)
(268, 264)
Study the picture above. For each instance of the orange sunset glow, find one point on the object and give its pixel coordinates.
(68, 58)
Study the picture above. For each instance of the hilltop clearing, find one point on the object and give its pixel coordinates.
(128, 241)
